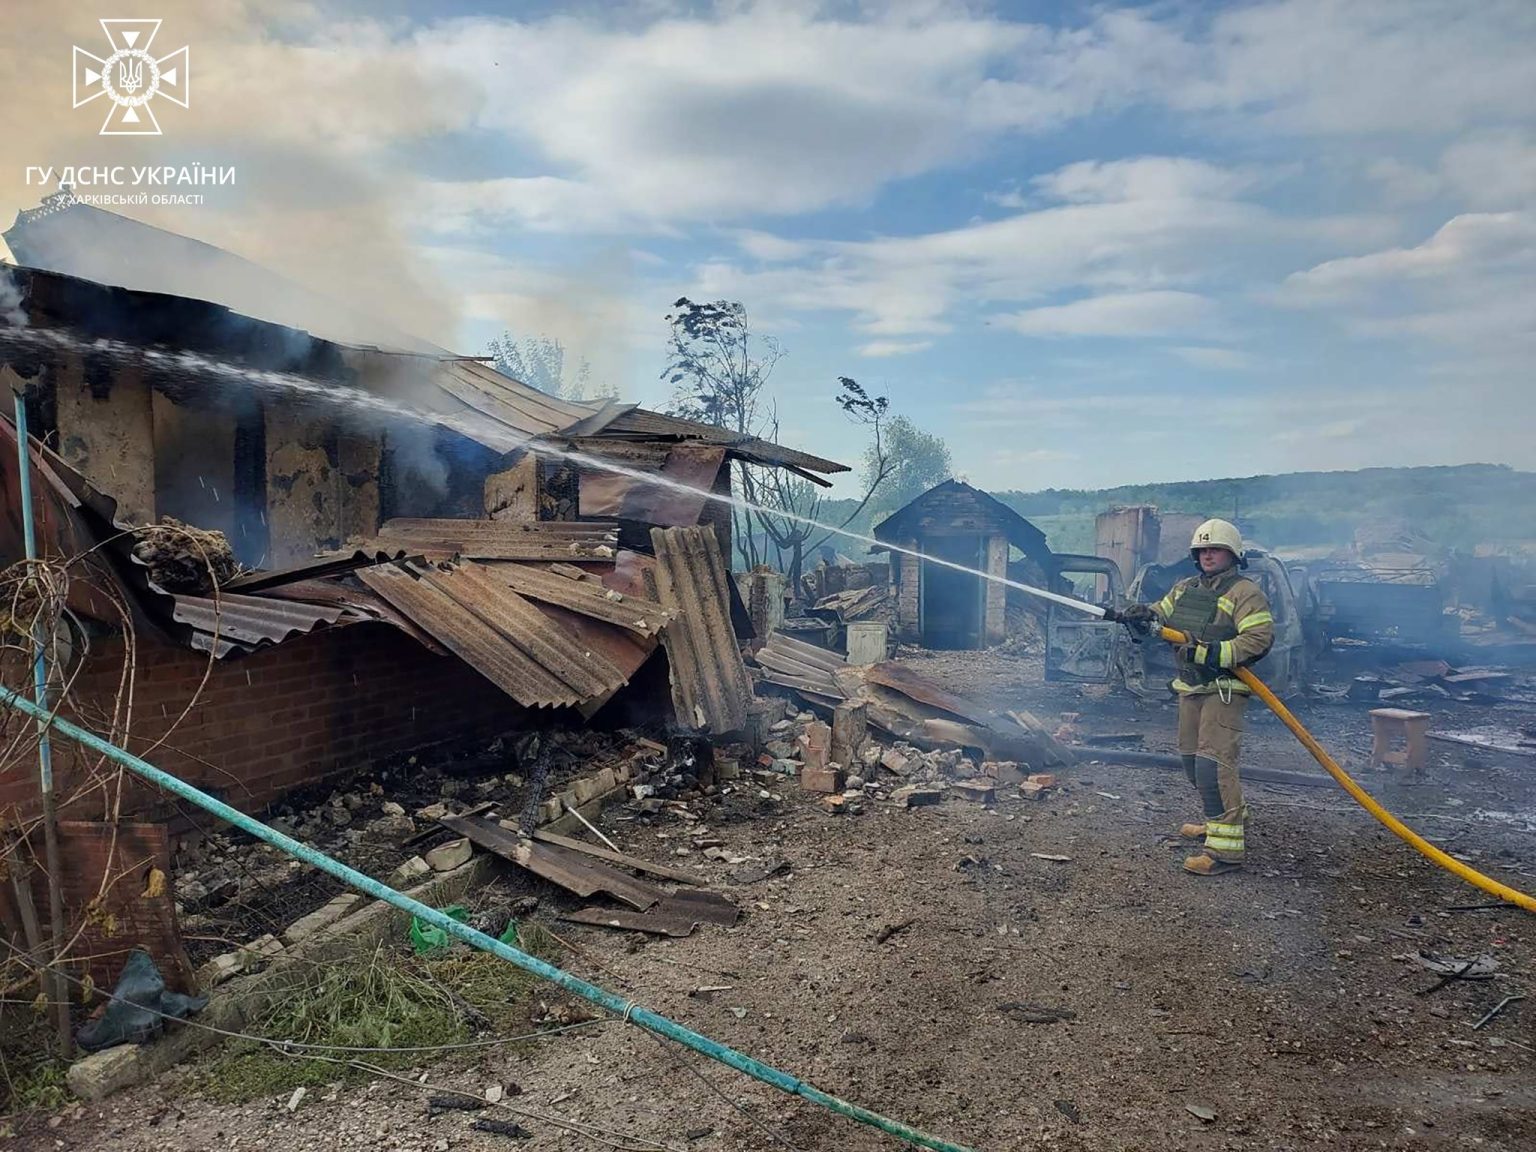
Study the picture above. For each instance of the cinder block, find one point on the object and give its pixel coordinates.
(828, 779)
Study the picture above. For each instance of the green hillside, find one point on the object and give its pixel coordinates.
(1457, 507)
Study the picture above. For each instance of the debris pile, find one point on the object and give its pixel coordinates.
(183, 559)
(1419, 681)
(866, 770)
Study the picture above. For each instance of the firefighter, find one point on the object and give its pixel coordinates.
(1227, 617)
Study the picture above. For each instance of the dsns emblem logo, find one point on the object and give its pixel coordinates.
(131, 78)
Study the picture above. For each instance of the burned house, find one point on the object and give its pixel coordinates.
(430, 552)
(292, 445)
(940, 541)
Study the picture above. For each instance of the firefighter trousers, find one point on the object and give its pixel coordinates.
(1211, 731)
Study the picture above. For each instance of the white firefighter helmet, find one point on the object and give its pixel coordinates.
(1217, 534)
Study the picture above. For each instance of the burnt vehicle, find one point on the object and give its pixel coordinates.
(1084, 650)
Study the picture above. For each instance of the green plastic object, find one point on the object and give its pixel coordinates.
(427, 938)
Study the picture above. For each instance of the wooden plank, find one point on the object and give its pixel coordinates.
(1485, 743)
(568, 870)
(666, 872)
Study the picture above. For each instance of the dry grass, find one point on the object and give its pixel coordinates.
(386, 999)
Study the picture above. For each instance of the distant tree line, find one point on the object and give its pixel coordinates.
(1457, 506)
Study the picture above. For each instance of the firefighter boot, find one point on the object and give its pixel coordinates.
(1223, 841)
(1192, 831)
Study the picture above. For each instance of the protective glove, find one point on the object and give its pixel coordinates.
(1135, 616)
(1212, 655)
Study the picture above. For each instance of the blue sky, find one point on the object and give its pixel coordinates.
(1088, 244)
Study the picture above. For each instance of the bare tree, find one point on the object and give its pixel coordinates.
(796, 527)
(718, 369)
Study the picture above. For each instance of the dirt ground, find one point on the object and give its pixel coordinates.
(1108, 1001)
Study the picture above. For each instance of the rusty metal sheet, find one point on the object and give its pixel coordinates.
(626, 651)
(635, 614)
(677, 924)
(710, 907)
(549, 540)
(317, 569)
(631, 574)
(665, 871)
(902, 679)
(471, 638)
(710, 687)
(695, 466)
(677, 915)
(471, 586)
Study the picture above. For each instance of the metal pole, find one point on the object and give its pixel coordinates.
(628, 1010)
(58, 990)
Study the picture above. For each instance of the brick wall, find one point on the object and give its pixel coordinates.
(266, 724)
(995, 625)
(908, 591)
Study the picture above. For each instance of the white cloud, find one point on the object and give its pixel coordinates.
(1474, 241)
(1144, 233)
(1145, 178)
(1493, 171)
(1117, 314)
(769, 248)
(882, 348)
(1335, 67)
(1466, 296)
(781, 110)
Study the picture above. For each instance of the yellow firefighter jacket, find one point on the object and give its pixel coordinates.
(1225, 612)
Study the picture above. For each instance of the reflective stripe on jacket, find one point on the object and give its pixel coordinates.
(1242, 612)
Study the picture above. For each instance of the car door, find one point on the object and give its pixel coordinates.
(1081, 648)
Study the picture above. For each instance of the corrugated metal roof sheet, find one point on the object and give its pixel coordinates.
(590, 598)
(333, 564)
(231, 623)
(710, 688)
(497, 632)
(644, 423)
(549, 540)
(504, 414)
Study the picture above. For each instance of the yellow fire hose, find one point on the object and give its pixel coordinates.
(1363, 798)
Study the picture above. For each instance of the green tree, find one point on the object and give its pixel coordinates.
(539, 362)
(913, 462)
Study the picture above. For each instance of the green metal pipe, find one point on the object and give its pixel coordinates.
(626, 1009)
(44, 745)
